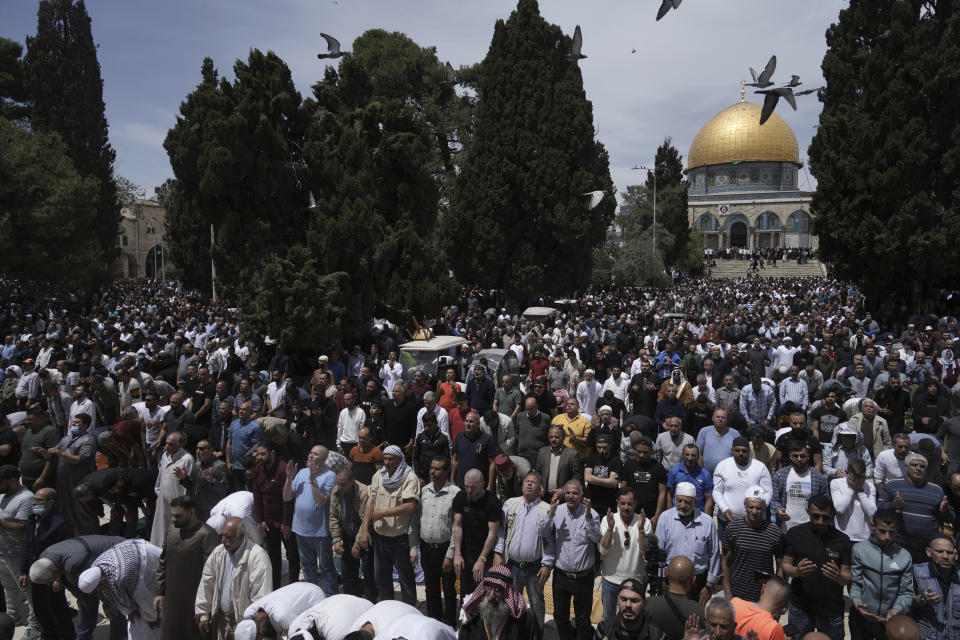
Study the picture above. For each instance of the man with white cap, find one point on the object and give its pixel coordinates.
(922, 506)
(684, 530)
(750, 544)
(732, 476)
(587, 393)
(124, 578)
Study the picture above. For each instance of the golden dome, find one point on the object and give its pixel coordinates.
(735, 134)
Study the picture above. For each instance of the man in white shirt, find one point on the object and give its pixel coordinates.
(669, 445)
(587, 393)
(891, 463)
(351, 418)
(623, 539)
(733, 476)
(619, 383)
(443, 418)
(783, 355)
(855, 501)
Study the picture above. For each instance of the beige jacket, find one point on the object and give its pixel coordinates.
(252, 580)
(359, 507)
(881, 433)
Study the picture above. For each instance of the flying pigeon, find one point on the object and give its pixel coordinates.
(575, 54)
(794, 82)
(762, 81)
(451, 74)
(772, 97)
(666, 5)
(806, 91)
(595, 198)
(333, 48)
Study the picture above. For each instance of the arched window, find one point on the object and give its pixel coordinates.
(768, 221)
(734, 218)
(799, 222)
(708, 222)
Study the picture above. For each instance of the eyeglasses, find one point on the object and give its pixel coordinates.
(626, 539)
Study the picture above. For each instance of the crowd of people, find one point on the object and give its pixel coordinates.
(713, 458)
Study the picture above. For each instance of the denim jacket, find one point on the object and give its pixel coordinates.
(939, 621)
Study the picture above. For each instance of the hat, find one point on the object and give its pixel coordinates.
(632, 584)
(245, 630)
(320, 359)
(8, 471)
(686, 489)
(605, 407)
(754, 492)
(504, 463)
(393, 450)
(740, 441)
(90, 579)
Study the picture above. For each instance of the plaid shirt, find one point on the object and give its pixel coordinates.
(728, 399)
(818, 486)
(757, 407)
(796, 392)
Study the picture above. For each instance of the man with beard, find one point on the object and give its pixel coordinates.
(631, 621)
(648, 479)
(187, 545)
(687, 531)
(601, 474)
(496, 611)
(935, 583)
(623, 539)
(643, 390)
(206, 482)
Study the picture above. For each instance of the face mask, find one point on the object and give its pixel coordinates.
(39, 509)
(74, 431)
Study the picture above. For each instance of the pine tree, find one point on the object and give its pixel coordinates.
(518, 220)
(64, 84)
(887, 151)
(13, 92)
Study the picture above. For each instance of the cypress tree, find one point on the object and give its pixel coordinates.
(64, 84)
(517, 202)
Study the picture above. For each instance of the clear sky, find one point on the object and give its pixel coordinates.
(686, 67)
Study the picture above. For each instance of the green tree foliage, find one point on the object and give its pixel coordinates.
(45, 206)
(236, 151)
(187, 236)
(887, 151)
(13, 92)
(64, 85)
(518, 219)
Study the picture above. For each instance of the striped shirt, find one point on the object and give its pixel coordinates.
(920, 515)
(749, 550)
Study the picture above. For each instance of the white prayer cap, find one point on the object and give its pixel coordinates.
(216, 522)
(245, 630)
(605, 407)
(590, 371)
(90, 579)
(686, 489)
(754, 492)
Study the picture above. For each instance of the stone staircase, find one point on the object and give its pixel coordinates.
(789, 269)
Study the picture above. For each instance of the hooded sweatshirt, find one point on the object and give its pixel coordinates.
(835, 457)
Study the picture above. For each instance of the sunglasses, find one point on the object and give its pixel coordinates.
(626, 539)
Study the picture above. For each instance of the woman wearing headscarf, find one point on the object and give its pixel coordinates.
(946, 368)
(931, 407)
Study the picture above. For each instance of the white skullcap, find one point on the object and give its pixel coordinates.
(216, 523)
(245, 630)
(590, 371)
(754, 492)
(90, 579)
(686, 489)
(605, 407)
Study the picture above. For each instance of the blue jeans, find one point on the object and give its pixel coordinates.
(88, 621)
(608, 596)
(800, 624)
(311, 549)
(528, 578)
(391, 552)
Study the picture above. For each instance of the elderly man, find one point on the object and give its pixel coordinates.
(587, 393)
(920, 504)
(575, 530)
(168, 485)
(668, 448)
(235, 574)
(60, 567)
(716, 440)
(244, 434)
(348, 502)
(391, 505)
(207, 481)
(309, 490)
(679, 578)
(46, 527)
(476, 516)
(430, 406)
(497, 611)
(750, 544)
(936, 584)
(185, 550)
(124, 577)
(556, 463)
(721, 621)
(686, 531)
(891, 464)
(76, 457)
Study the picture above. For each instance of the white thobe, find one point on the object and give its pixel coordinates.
(167, 488)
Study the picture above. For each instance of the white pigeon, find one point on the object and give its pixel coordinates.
(595, 198)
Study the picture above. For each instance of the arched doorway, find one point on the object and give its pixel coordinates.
(738, 234)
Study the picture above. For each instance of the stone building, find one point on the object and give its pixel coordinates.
(744, 190)
(141, 238)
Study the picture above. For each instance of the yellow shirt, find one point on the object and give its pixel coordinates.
(580, 427)
(382, 498)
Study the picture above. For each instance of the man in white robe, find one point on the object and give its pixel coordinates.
(168, 485)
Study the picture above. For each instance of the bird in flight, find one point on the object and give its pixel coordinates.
(595, 198)
(666, 5)
(806, 91)
(575, 54)
(333, 48)
(762, 81)
(772, 97)
(794, 82)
